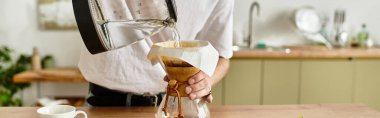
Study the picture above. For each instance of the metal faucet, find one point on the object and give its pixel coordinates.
(252, 8)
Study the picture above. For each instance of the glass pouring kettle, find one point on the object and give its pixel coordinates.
(99, 21)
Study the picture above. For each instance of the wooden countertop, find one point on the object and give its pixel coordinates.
(50, 75)
(258, 111)
(311, 52)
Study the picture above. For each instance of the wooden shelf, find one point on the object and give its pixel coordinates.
(50, 75)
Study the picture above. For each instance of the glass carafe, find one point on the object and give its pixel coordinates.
(190, 108)
(176, 103)
(111, 24)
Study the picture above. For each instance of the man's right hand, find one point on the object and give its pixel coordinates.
(207, 98)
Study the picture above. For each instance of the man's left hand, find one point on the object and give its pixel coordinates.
(200, 87)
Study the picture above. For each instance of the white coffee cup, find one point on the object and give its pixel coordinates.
(59, 111)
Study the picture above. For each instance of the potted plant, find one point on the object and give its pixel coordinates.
(8, 68)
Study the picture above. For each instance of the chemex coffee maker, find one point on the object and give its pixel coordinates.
(100, 23)
(180, 63)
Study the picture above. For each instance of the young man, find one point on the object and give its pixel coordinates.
(124, 77)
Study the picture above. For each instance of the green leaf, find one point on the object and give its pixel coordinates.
(16, 102)
(5, 55)
(4, 99)
(7, 71)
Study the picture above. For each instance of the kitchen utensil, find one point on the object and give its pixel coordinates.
(311, 24)
(340, 35)
(308, 20)
(106, 25)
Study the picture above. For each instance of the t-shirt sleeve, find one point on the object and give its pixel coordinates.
(218, 29)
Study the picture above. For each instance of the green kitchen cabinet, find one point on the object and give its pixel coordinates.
(326, 81)
(281, 82)
(242, 82)
(217, 93)
(367, 83)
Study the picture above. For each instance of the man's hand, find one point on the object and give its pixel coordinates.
(200, 87)
(200, 83)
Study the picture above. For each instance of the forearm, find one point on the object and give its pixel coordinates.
(221, 70)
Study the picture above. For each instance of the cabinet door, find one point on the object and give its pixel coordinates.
(217, 94)
(367, 83)
(326, 81)
(242, 83)
(281, 82)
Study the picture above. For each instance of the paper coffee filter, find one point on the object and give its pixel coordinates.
(199, 54)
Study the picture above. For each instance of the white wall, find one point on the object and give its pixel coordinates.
(274, 25)
(19, 30)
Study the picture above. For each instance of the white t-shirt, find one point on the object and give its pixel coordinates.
(127, 69)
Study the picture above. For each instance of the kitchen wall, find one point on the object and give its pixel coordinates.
(275, 27)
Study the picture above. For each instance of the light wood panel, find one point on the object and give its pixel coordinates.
(50, 75)
(252, 111)
(309, 52)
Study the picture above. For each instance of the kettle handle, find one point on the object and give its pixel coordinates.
(172, 8)
(86, 26)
